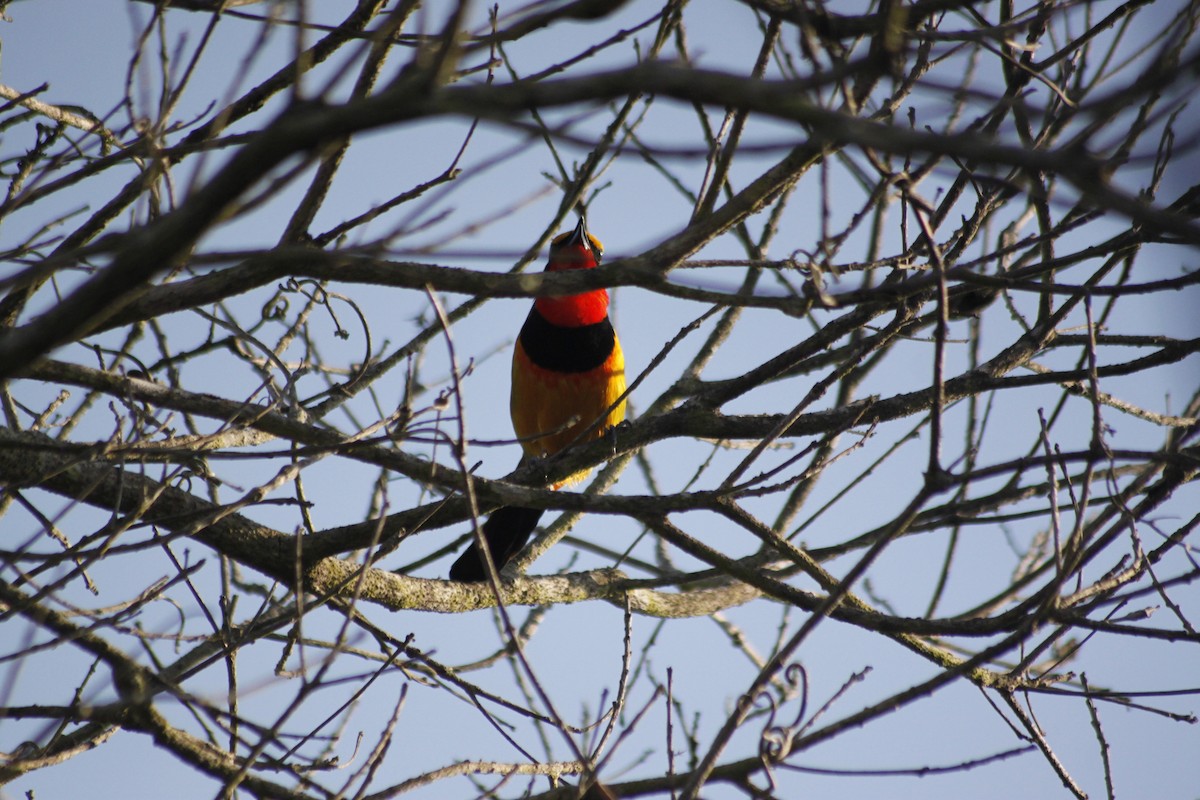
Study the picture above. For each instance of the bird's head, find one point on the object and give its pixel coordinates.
(577, 249)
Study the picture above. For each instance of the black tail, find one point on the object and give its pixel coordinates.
(506, 532)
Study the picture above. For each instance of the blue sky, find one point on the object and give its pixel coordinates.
(484, 221)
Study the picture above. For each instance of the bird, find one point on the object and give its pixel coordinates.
(568, 385)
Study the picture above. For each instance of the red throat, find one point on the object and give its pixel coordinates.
(574, 310)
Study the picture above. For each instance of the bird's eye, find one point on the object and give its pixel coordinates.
(597, 247)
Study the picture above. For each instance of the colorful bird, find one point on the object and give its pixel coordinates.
(567, 375)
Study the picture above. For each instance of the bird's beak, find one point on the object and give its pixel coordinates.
(580, 235)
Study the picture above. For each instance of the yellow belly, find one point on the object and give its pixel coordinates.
(551, 409)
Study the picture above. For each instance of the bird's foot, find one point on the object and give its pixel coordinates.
(612, 435)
